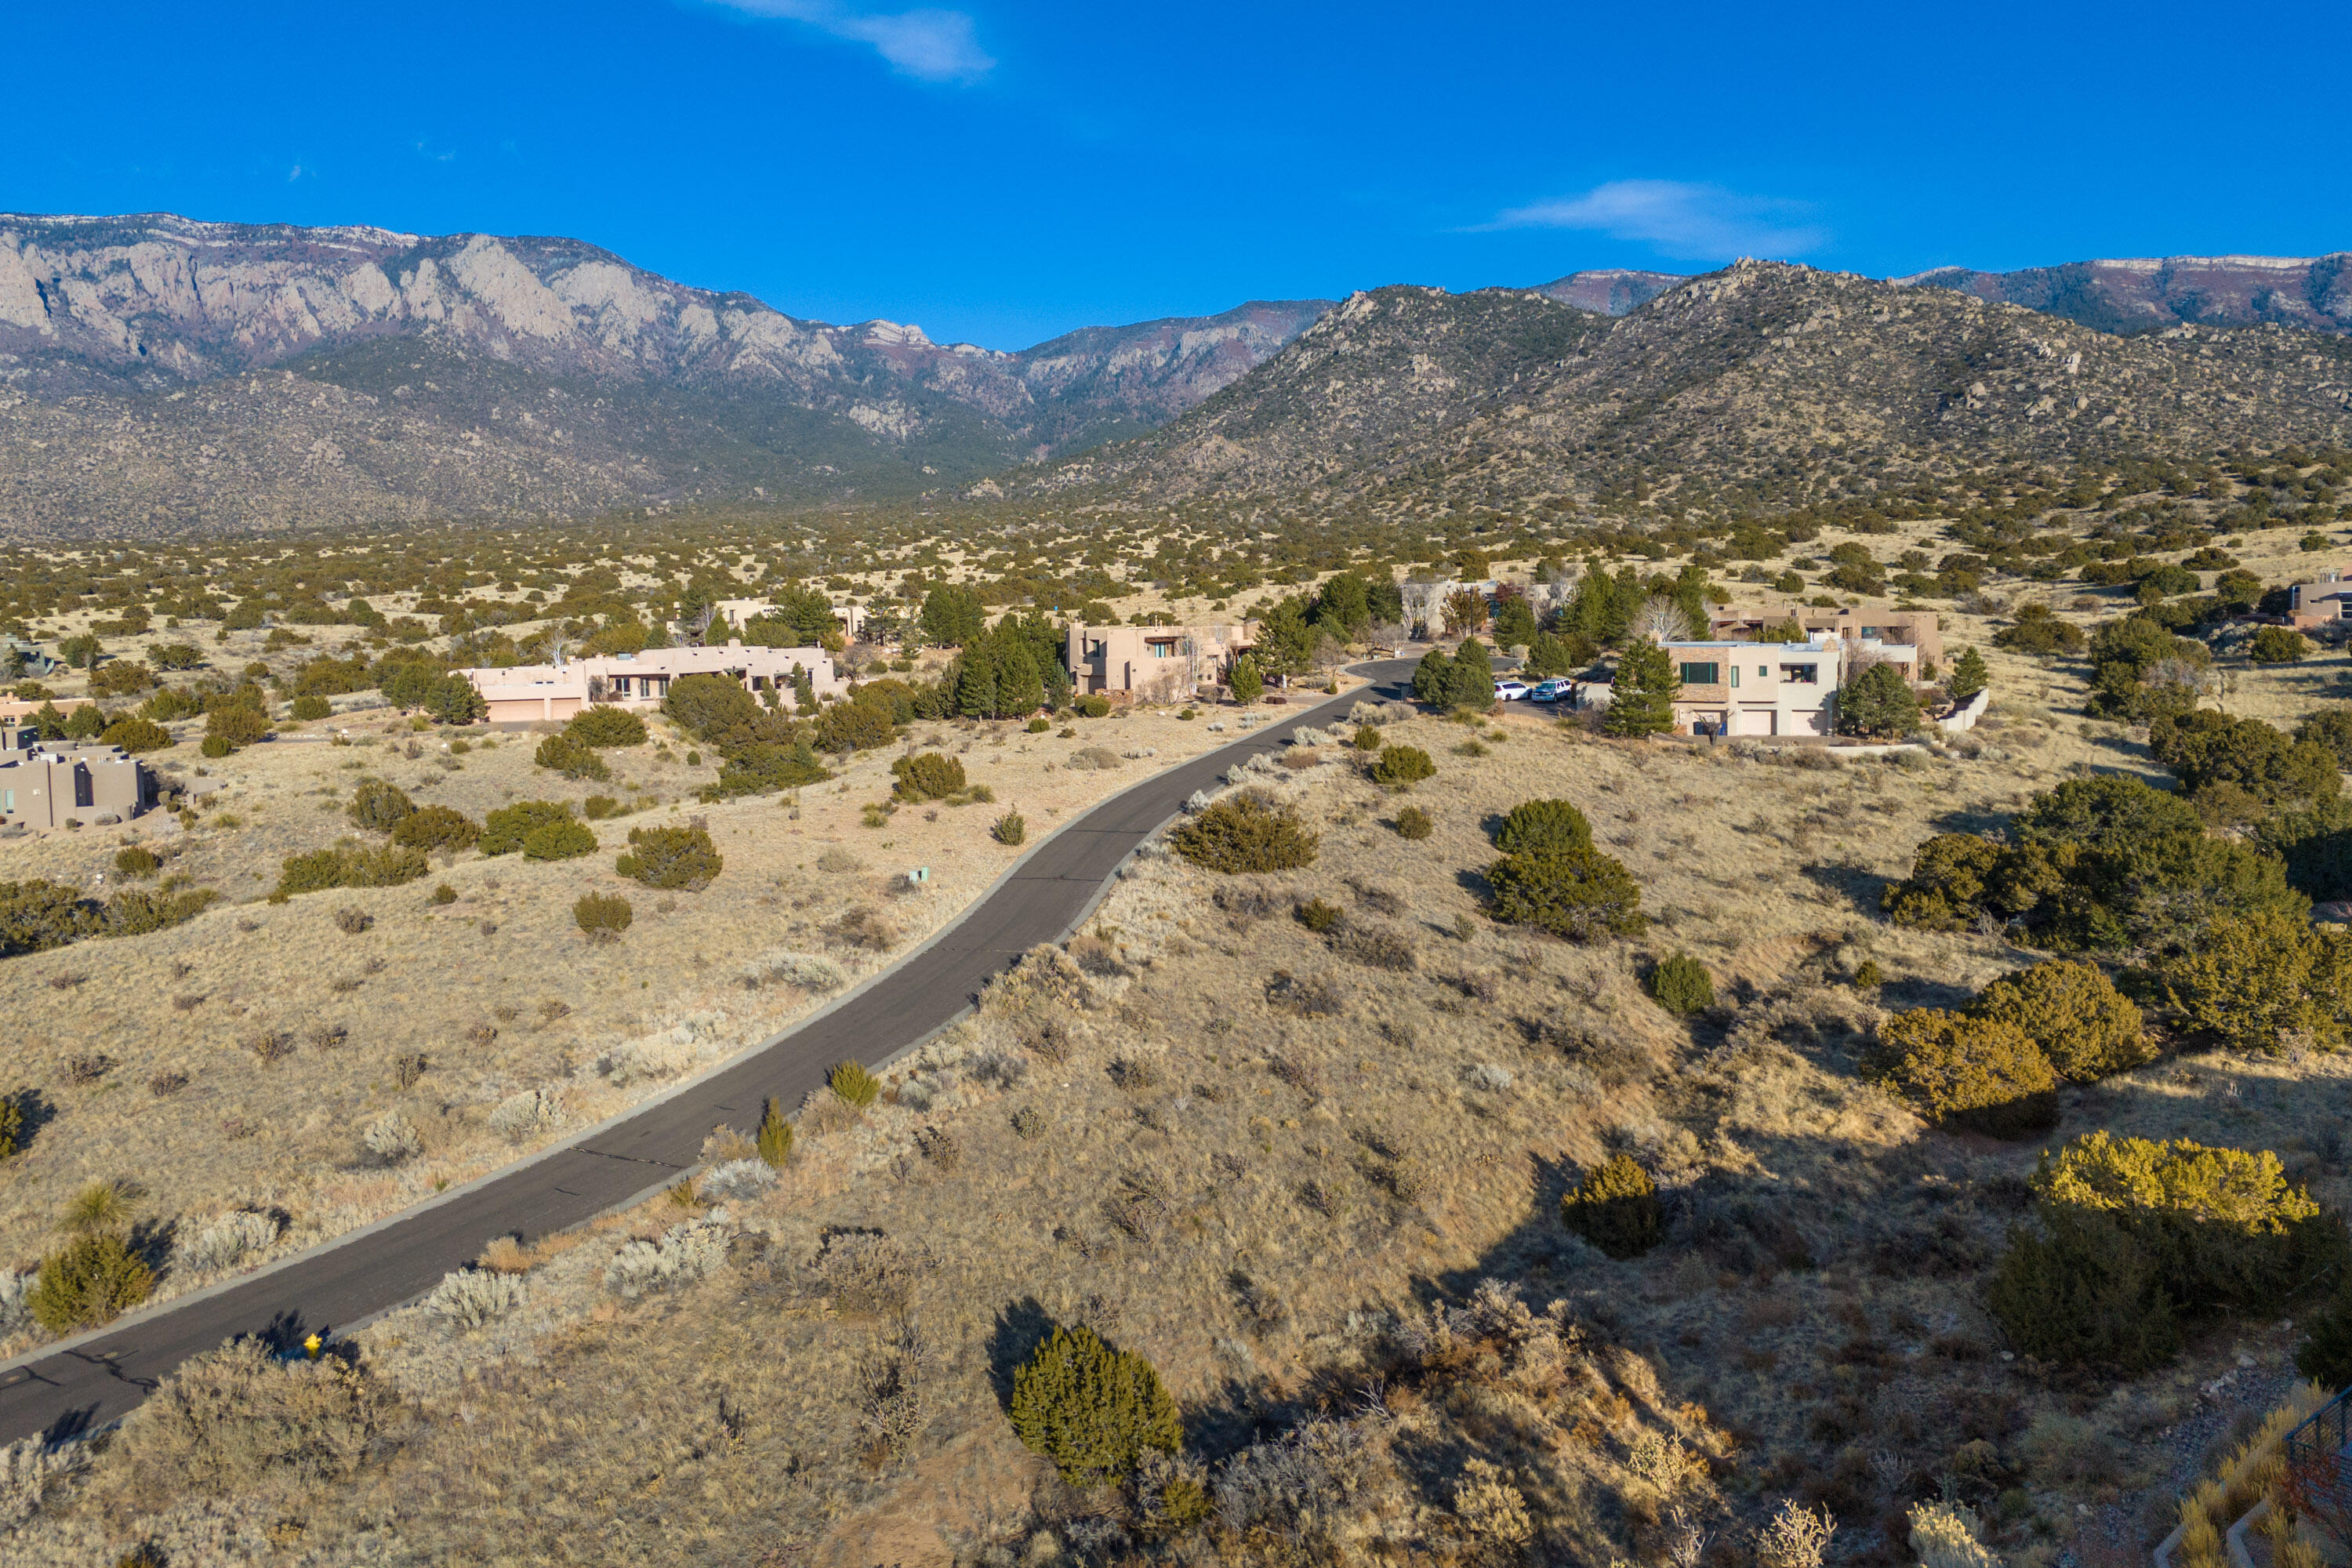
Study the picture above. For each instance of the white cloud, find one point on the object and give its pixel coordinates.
(933, 46)
(1685, 221)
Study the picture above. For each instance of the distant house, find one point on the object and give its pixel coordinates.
(525, 693)
(2317, 604)
(1756, 687)
(1154, 664)
(735, 613)
(44, 787)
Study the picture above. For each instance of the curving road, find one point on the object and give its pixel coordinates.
(76, 1385)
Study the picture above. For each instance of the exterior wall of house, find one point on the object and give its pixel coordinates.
(536, 692)
(1758, 689)
(2317, 604)
(1910, 629)
(1153, 664)
(735, 611)
(43, 788)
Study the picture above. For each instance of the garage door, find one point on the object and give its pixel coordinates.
(1752, 722)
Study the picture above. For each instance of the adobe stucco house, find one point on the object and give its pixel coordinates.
(735, 611)
(1908, 637)
(529, 692)
(1756, 687)
(2317, 604)
(1153, 664)
(44, 787)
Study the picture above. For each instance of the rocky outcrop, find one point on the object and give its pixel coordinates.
(2153, 293)
(1610, 290)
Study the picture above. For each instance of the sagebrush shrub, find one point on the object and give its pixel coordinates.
(603, 914)
(1682, 985)
(927, 775)
(1538, 827)
(93, 1280)
(225, 1240)
(1400, 766)
(2087, 1027)
(1580, 894)
(1245, 832)
(671, 858)
(564, 840)
(854, 1085)
(238, 1418)
(392, 1137)
(1615, 1208)
(437, 828)
(1983, 1074)
(1091, 1410)
(471, 1298)
(379, 807)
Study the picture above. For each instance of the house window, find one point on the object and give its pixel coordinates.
(1734, 675)
(1763, 671)
(1802, 674)
(1701, 674)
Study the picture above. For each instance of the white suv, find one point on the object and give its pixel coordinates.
(1511, 691)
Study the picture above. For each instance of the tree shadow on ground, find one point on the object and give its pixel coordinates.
(1859, 886)
(1021, 1327)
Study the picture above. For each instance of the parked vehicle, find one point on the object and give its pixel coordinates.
(1549, 690)
(1511, 691)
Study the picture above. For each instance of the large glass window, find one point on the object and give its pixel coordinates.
(1701, 674)
(1802, 674)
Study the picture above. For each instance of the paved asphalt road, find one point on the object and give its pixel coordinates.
(62, 1392)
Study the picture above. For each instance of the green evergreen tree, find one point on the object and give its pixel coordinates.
(1642, 699)
(775, 1137)
(1094, 1411)
(1968, 677)
(1433, 678)
(953, 616)
(1549, 657)
(1877, 702)
(1514, 622)
(1470, 679)
(1247, 683)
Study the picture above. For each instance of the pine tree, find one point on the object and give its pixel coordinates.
(1019, 689)
(1968, 676)
(1470, 679)
(1247, 683)
(775, 1138)
(1642, 701)
(1431, 678)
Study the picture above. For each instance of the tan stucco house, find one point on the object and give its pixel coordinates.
(527, 693)
(1154, 664)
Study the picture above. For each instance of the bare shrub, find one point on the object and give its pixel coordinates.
(270, 1045)
(867, 1271)
(353, 922)
(473, 1298)
(684, 1253)
(225, 1240)
(1379, 947)
(520, 1117)
(392, 1137)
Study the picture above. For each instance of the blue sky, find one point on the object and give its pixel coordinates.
(1001, 171)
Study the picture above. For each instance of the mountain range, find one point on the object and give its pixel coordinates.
(162, 374)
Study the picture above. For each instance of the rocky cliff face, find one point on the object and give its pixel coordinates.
(1765, 381)
(2148, 295)
(149, 347)
(1610, 291)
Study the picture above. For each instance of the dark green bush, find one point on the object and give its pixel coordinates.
(35, 916)
(138, 861)
(2325, 1354)
(2039, 630)
(1415, 823)
(87, 722)
(437, 828)
(560, 753)
(601, 914)
(1399, 766)
(1093, 707)
(1615, 1208)
(671, 858)
(605, 727)
(2177, 1229)
(927, 775)
(708, 706)
(1539, 826)
(1318, 915)
(93, 1280)
(760, 768)
(1245, 832)
(867, 722)
(1091, 1410)
(1878, 702)
(1012, 828)
(598, 807)
(2087, 1027)
(11, 1124)
(1579, 894)
(379, 807)
(2278, 645)
(504, 829)
(565, 840)
(1682, 985)
(137, 911)
(445, 894)
(135, 735)
(1955, 1070)
(236, 726)
(349, 866)
(308, 709)
(774, 1137)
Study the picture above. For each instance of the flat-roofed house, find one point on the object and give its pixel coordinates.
(2317, 604)
(1756, 687)
(1909, 637)
(1154, 664)
(734, 612)
(526, 693)
(44, 787)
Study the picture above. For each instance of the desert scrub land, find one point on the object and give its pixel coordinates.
(235, 1064)
(1301, 1139)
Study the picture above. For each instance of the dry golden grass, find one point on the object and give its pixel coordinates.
(498, 991)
